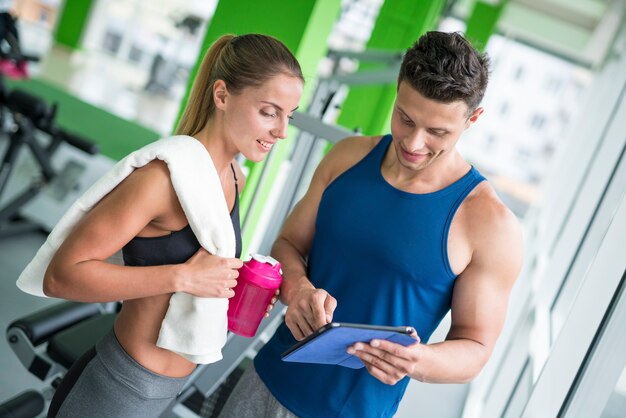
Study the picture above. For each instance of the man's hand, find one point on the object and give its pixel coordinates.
(386, 361)
(308, 310)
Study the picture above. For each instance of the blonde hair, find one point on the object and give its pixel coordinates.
(240, 61)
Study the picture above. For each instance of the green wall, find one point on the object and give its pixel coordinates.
(399, 24)
(71, 23)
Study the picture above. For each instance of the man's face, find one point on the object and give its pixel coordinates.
(425, 131)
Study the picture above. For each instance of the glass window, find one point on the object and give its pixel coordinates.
(44, 15)
(519, 397)
(522, 117)
(111, 42)
(616, 406)
(537, 122)
(553, 84)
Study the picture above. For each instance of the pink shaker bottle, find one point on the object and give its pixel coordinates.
(256, 286)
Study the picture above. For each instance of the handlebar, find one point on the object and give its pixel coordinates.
(42, 116)
(27, 105)
(79, 142)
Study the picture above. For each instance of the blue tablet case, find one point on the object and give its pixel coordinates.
(330, 346)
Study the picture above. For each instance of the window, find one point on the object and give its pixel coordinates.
(44, 15)
(112, 42)
(553, 84)
(135, 54)
(537, 122)
(616, 404)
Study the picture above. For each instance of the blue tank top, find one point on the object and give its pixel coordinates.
(382, 253)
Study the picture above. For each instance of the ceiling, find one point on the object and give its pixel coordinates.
(579, 30)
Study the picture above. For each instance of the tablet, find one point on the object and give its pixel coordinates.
(328, 344)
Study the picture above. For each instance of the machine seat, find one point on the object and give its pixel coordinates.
(68, 345)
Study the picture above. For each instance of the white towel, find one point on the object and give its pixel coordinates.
(193, 327)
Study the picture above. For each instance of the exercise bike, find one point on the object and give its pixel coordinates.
(27, 118)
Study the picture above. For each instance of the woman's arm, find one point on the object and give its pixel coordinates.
(78, 271)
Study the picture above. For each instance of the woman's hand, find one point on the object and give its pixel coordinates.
(209, 276)
(272, 303)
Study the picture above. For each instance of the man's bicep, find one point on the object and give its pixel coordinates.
(481, 292)
(478, 307)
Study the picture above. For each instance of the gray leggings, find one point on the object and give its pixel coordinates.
(107, 382)
(252, 399)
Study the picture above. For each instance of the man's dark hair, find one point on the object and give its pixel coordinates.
(444, 67)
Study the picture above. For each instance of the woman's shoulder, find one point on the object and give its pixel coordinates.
(150, 186)
(150, 181)
(155, 170)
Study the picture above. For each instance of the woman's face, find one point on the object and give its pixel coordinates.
(257, 117)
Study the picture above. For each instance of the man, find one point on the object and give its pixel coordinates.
(394, 230)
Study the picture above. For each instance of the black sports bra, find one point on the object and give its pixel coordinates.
(177, 247)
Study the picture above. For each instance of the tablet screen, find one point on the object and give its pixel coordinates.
(328, 345)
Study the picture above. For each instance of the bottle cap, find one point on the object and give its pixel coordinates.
(264, 271)
(264, 259)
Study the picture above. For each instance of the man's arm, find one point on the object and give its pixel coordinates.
(310, 308)
(479, 305)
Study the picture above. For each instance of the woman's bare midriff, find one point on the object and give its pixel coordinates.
(137, 329)
(138, 323)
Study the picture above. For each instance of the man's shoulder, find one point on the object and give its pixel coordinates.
(484, 201)
(359, 145)
(348, 152)
(488, 218)
(495, 236)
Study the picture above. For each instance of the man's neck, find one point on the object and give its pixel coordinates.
(435, 176)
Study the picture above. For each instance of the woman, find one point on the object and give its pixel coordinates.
(246, 90)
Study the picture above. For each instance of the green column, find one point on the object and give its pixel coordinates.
(71, 22)
(303, 26)
(482, 22)
(398, 25)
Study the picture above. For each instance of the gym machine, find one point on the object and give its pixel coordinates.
(30, 118)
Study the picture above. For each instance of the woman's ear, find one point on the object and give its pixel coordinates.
(220, 94)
